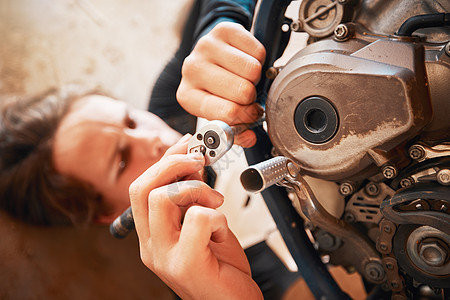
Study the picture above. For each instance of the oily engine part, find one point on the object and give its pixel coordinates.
(339, 108)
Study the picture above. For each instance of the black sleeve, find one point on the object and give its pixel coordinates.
(204, 15)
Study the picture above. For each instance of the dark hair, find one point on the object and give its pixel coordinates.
(30, 188)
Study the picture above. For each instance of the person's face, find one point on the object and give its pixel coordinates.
(108, 144)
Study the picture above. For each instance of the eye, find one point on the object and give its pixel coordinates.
(124, 159)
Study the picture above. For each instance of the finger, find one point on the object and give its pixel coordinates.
(169, 169)
(213, 107)
(245, 139)
(180, 147)
(165, 214)
(228, 57)
(200, 226)
(237, 36)
(208, 76)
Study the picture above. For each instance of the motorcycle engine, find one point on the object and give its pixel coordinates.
(366, 105)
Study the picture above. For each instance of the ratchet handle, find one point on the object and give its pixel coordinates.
(122, 225)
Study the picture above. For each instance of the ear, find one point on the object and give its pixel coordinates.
(104, 218)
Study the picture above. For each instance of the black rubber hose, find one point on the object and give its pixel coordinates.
(423, 21)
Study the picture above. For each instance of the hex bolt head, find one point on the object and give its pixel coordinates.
(406, 182)
(416, 152)
(341, 32)
(374, 271)
(271, 73)
(433, 252)
(389, 172)
(296, 26)
(346, 188)
(443, 177)
(389, 266)
(349, 217)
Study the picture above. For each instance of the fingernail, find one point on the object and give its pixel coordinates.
(185, 138)
(196, 155)
(219, 195)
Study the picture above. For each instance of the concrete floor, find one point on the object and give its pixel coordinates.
(120, 46)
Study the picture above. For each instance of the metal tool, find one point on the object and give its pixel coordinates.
(213, 140)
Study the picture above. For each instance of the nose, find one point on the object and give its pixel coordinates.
(147, 144)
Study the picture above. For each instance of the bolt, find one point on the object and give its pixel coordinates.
(296, 26)
(406, 182)
(212, 153)
(374, 271)
(416, 152)
(433, 252)
(271, 73)
(342, 2)
(389, 172)
(387, 229)
(292, 169)
(447, 48)
(443, 208)
(199, 137)
(326, 241)
(210, 140)
(346, 188)
(383, 246)
(372, 189)
(390, 266)
(349, 217)
(341, 32)
(419, 206)
(443, 177)
(394, 284)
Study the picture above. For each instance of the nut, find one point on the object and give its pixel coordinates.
(433, 252)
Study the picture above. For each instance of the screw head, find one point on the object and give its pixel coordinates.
(443, 177)
(372, 189)
(199, 137)
(433, 253)
(296, 26)
(389, 172)
(406, 182)
(346, 188)
(416, 152)
(349, 217)
(271, 73)
(341, 32)
(374, 270)
(293, 169)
